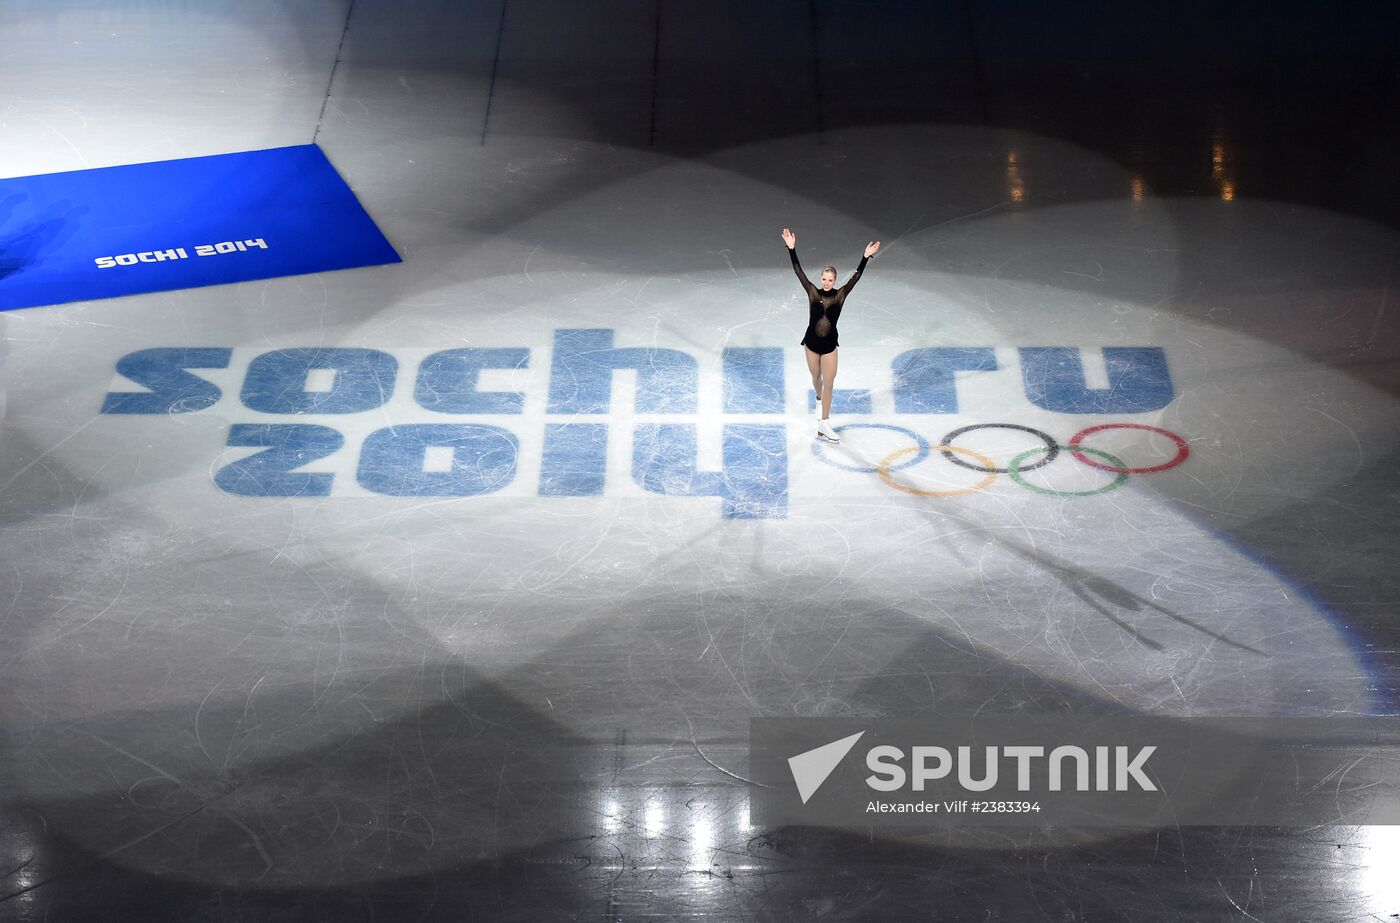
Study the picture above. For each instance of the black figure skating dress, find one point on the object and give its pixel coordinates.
(825, 307)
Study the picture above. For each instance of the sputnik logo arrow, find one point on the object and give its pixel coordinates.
(810, 769)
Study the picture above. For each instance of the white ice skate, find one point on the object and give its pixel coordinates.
(824, 431)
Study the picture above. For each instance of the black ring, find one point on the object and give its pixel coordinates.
(1052, 448)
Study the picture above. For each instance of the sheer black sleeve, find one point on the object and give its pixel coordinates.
(802, 276)
(855, 277)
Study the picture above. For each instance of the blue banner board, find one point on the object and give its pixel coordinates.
(179, 224)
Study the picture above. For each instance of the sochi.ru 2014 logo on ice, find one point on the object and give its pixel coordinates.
(428, 450)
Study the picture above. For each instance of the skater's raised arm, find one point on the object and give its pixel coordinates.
(870, 250)
(790, 239)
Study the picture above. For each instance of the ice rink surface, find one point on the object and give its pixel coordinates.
(445, 590)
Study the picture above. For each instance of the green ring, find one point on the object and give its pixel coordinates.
(1014, 469)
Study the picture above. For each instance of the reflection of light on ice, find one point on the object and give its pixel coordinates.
(694, 831)
(654, 817)
(1015, 184)
(612, 816)
(1379, 880)
(702, 840)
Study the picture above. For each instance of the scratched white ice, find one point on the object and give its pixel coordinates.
(1128, 594)
(132, 577)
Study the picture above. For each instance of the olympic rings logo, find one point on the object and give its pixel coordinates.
(1029, 460)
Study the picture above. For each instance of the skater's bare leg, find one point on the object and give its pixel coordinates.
(828, 378)
(814, 365)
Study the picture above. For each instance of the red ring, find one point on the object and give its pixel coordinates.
(1182, 449)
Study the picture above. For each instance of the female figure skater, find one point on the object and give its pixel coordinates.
(825, 308)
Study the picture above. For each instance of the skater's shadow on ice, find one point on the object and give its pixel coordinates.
(1099, 593)
(1111, 600)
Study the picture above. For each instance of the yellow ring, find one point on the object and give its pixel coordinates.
(884, 468)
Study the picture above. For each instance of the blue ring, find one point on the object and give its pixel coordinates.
(818, 451)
